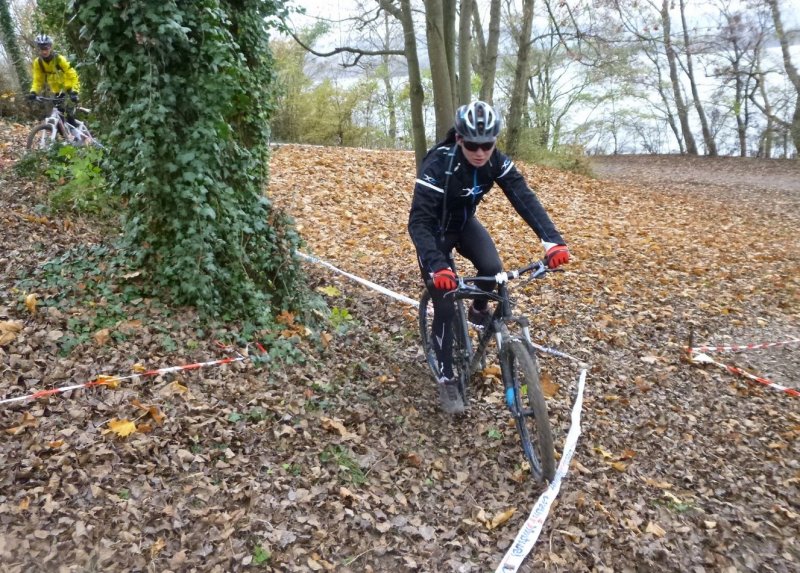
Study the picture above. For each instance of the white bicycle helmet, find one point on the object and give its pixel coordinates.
(477, 122)
(43, 40)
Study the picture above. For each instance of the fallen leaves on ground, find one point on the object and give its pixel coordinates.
(345, 462)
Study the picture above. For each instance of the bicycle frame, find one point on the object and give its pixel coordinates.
(77, 134)
(56, 123)
(502, 318)
(518, 366)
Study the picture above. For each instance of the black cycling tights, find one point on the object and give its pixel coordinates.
(474, 243)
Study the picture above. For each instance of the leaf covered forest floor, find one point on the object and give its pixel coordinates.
(344, 462)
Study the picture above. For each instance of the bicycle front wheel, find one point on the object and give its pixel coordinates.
(525, 399)
(42, 137)
(462, 345)
(425, 317)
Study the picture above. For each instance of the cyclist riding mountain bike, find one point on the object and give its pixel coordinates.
(455, 176)
(52, 70)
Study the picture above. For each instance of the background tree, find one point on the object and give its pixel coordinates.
(441, 44)
(677, 90)
(791, 72)
(739, 43)
(464, 50)
(518, 92)
(190, 87)
(574, 51)
(402, 11)
(688, 49)
(486, 62)
(8, 34)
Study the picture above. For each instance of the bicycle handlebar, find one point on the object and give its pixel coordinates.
(537, 269)
(61, 99)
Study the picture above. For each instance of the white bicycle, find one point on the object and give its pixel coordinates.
(55, 127)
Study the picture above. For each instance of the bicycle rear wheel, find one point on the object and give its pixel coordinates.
(41, 137)
(525, 399)
(462, 345)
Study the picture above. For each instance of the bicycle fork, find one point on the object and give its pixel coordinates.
(503, 335)
(53, 124)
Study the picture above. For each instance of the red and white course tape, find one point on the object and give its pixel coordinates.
(106, 380)
(702, 358)
(742, 347)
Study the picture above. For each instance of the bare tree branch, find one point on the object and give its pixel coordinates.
(357, 52)
(782, 122)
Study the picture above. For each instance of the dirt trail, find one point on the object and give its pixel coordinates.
(768, 185)
(342, 462)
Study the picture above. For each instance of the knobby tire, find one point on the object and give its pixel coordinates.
(38, 130)
(462, 349)
(462, 345)
(519, 368)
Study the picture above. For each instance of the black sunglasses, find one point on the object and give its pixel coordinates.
(472, 146)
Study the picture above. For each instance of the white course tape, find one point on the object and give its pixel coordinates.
(527, 536)
(743, 347)
(554, 352)
(364, 282)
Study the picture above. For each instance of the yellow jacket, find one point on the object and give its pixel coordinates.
(57, 73)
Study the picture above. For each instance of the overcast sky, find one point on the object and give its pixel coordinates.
(334, 10)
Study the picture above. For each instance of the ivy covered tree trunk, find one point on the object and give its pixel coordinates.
(9, 38)
(190, 87)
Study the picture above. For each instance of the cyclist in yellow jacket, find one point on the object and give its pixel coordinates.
(53, 70)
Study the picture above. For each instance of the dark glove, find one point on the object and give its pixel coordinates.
(444, 279)
(59, 97)
(72, 96)
(556, 256)
(32, 96)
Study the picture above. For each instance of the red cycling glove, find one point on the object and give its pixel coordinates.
(556, 256)
(444, 279)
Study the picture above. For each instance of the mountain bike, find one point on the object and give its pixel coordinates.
(55, 127)
(518, 366)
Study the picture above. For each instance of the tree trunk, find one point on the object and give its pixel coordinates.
(416, 93)
(518, 91)
(683, 112)
(708, 137)
(464, 59)
(387, 84)
(443, 101)
(449, 11)
(662, 93)
(9, 38)
(489, 64)
(791, 71)
(741, 123)
(769, 131)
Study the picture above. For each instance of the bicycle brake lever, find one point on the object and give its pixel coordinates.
(539, 270)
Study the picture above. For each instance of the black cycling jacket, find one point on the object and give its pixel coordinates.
(465, 189)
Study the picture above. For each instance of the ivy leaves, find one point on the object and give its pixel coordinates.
(191, 86)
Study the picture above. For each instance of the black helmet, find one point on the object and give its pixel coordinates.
(44, 41)
(477, 122)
